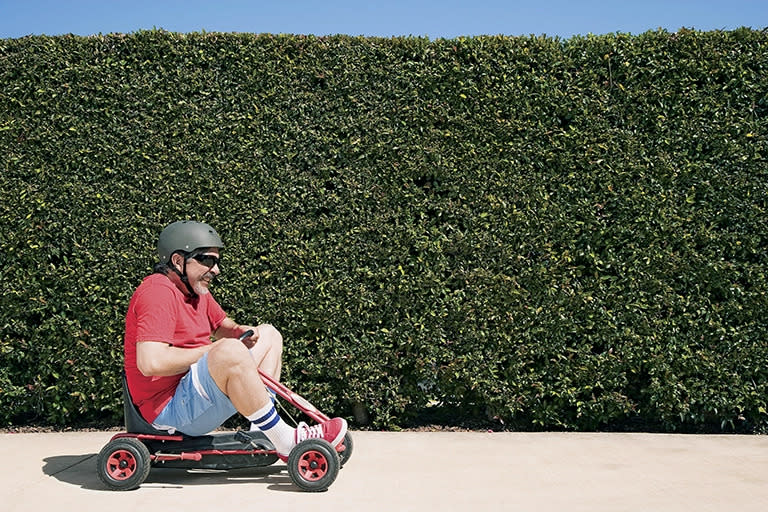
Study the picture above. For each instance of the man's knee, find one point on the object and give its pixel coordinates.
(227, 354)
(271, 335)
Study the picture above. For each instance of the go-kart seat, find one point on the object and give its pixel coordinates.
(134, 421)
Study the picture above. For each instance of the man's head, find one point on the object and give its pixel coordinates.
(191, 250)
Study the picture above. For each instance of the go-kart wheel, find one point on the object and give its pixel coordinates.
(347, 453)
(313, 465)
(123, 464)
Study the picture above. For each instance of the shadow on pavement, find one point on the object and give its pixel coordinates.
(80, 470)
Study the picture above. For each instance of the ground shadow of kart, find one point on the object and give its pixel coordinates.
(125, 462)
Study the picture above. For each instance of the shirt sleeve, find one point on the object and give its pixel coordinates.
(216, 314)
(156, 316)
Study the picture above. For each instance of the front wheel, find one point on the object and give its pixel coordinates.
(123, 464)
(348, 446)
(313, 465)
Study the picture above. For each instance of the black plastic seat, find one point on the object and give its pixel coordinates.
(134, 421)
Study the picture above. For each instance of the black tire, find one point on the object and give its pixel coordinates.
(347, 453)
(313, 465)
(123, 464)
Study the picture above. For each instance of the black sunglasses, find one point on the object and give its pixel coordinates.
(208, 260)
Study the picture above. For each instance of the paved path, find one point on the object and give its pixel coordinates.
(396, 472)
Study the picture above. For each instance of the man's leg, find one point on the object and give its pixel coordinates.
(268, 351)
(236, 373)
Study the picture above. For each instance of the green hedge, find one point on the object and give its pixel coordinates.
(544, 233)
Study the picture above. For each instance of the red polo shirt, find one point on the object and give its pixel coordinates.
(160, 311)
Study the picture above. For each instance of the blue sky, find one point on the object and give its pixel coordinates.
(430, 18)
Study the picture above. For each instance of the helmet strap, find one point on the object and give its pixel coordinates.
(181, 280)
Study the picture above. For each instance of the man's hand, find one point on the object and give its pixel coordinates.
(249, 341)
(230, 329)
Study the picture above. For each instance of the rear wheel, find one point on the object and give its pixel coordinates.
(123, 464)
(313, 465)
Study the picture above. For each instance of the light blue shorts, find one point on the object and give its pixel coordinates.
(198, 406)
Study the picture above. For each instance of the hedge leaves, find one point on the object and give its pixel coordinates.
(546, 233)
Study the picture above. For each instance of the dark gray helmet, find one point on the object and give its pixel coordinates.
(186, 236)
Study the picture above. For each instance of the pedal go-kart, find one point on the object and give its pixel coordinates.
(125, 461)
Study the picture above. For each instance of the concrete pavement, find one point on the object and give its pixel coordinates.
(419, 471)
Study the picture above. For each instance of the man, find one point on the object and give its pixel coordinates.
(182, 381)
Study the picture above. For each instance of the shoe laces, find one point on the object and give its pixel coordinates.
(304, 431)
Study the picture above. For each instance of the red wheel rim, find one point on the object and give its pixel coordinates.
(121, 465)
(313, 466)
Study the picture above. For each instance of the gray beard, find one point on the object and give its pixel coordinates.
(203, 290)
(200, 290)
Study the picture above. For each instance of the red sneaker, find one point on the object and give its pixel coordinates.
(332, 431)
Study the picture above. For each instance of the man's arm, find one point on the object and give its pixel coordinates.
(230, 329)
(157, 359)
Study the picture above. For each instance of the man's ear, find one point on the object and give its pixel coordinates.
(177, 260)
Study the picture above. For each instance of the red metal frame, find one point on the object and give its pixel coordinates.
(294, 399)
(147, 437)
(195, 455)
(198, 454)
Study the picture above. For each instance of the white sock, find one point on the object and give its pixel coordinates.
(282, 435)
